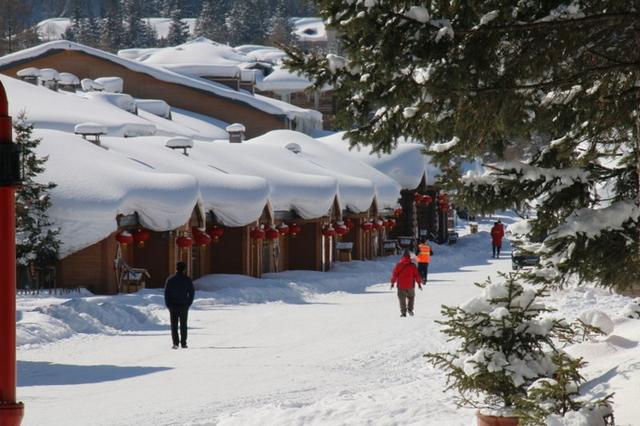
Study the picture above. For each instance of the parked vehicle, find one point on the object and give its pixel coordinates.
(520, 260)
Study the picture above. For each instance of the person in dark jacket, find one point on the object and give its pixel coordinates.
(178, 297)
(406, 274)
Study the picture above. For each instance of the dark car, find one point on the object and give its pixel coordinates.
(520, 260)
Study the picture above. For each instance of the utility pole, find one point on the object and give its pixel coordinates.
(11, 411)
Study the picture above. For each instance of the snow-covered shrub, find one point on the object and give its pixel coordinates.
(556, 400)
(507, 356)
(505, 344)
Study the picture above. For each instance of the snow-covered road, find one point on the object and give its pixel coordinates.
(336, 358)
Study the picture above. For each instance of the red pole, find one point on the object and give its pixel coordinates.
(11, 411)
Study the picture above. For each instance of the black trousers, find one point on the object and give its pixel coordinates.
(179, 313)
(423, 268)
(495, 248)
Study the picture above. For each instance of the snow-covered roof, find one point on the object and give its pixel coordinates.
(236, 200)
(283, 80)
(265, 104)
(200, 58)
(407, 163)
(95, 185)
(310, 30)
(385, 189)
(294, 184)
(62, 110)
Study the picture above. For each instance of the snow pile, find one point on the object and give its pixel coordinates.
(632, 310)
(597, 319)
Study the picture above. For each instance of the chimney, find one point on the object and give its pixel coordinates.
(180, 142)
(29, 75)
(236, 132)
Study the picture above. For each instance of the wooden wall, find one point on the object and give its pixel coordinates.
(230, 254)
(143, 85)
(92, 268)
(305, 249)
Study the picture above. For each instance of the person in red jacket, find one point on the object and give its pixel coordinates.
(406, 275)
(497, 232)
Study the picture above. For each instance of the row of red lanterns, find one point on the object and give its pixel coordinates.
(422, 199)
(213, 234)
(271, 233)
(138, 236)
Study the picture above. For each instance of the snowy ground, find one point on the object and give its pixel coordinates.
(296, 348)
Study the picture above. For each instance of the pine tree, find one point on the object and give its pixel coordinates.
(508, 355)
(112, 28)
(477, 78)
(36, 237)
(134, 29)
(280, 28)
(246, 23)
(89, 32)
(211, 21)
(179, 30)
(72, 31)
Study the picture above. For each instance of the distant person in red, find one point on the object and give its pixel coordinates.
(497, 232)
(406, 274)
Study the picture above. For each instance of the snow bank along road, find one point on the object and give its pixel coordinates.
(318, 356)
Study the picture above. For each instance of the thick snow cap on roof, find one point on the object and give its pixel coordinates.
(310, 29)
(294, 184)
(306, 118)
(406, 164)
(385, 189)
(62, 110)
(95, 185)
(282, 80)
(235, 199)
(200, 57)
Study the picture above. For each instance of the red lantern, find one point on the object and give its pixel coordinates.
(426, 199)
(124, 237)
(367, 226)
(417, 198)
(390, 223)
(349, 224)
(377, 224)
(341, 228)
(397, 212)
(215, 232)
(184, 241)
(272, 234)
(257, 234)
(140, 236)
(295, 229)
(283, 229)
(328, 231)
(201, 238)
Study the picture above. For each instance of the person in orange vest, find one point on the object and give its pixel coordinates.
(423, 256)
(406, 275)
